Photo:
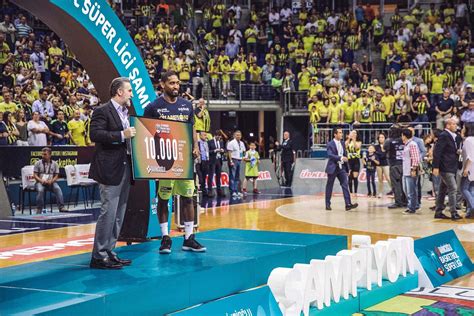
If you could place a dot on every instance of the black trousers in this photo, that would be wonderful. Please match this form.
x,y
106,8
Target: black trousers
x,y
287,172
202,170
396,179
214,169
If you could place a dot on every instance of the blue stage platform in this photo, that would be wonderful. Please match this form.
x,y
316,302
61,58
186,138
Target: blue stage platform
x,y
158,284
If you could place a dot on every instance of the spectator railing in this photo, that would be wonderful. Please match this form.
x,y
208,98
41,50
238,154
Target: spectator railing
x,y
295,101
367,132
240,91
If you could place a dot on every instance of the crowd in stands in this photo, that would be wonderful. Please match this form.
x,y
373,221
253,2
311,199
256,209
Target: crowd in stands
x,y
46,95
426,74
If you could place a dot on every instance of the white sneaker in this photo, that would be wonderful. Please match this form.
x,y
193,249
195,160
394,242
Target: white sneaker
x,y
234,194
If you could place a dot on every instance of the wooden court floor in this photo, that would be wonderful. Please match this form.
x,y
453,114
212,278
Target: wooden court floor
x,y
304,214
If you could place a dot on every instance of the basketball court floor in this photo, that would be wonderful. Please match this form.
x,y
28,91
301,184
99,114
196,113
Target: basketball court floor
x,y
32,238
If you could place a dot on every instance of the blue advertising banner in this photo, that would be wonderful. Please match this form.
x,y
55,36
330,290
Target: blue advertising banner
x,y
443,257
258,302
104,25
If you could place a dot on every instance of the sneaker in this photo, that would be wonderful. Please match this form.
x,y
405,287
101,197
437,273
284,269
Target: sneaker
x,y
191,244
244,191
165,245
408,212
235,195
256,191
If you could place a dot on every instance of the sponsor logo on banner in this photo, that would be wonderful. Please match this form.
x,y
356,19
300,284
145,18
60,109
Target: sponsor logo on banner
x,y
310,174
264,176
442,257
78,244
224,180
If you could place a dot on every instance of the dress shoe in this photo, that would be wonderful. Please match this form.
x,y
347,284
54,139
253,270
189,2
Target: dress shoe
x,y
105,263
441,216
328,208
392,206
351,206
124,262
455,216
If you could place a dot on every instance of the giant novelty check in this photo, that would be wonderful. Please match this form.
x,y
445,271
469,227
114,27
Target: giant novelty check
x,y
162,149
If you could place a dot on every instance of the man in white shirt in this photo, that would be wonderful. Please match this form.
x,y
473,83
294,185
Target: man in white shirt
x,y
236,34
37,131
421,58
237,10
332,19
285,14
236,151
467,180
274,18
403,82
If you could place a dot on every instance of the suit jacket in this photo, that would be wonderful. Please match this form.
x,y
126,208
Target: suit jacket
x,y
110,155
212,148
445,156
287,154
334,158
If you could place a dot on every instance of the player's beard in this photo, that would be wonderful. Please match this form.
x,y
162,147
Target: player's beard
x,y
172,94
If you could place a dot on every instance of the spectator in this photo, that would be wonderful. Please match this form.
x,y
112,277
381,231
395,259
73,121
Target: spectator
x,y
467,180
444,108
202,118
252,160
7,105
21,126
37,131
202,166
46,173
43,106
216,155
411,165
13,133
371,162
445,164
236,151
9,30
231,48
59,130
23,29
77,129
383,170
3,130
38,59
288,157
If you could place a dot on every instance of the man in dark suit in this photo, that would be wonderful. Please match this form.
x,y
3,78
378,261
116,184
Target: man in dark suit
x,y
287,157
445,164
216,152
111,168
337,168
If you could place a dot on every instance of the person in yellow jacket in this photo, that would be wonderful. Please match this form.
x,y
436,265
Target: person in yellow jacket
x,y
240,68
202,118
